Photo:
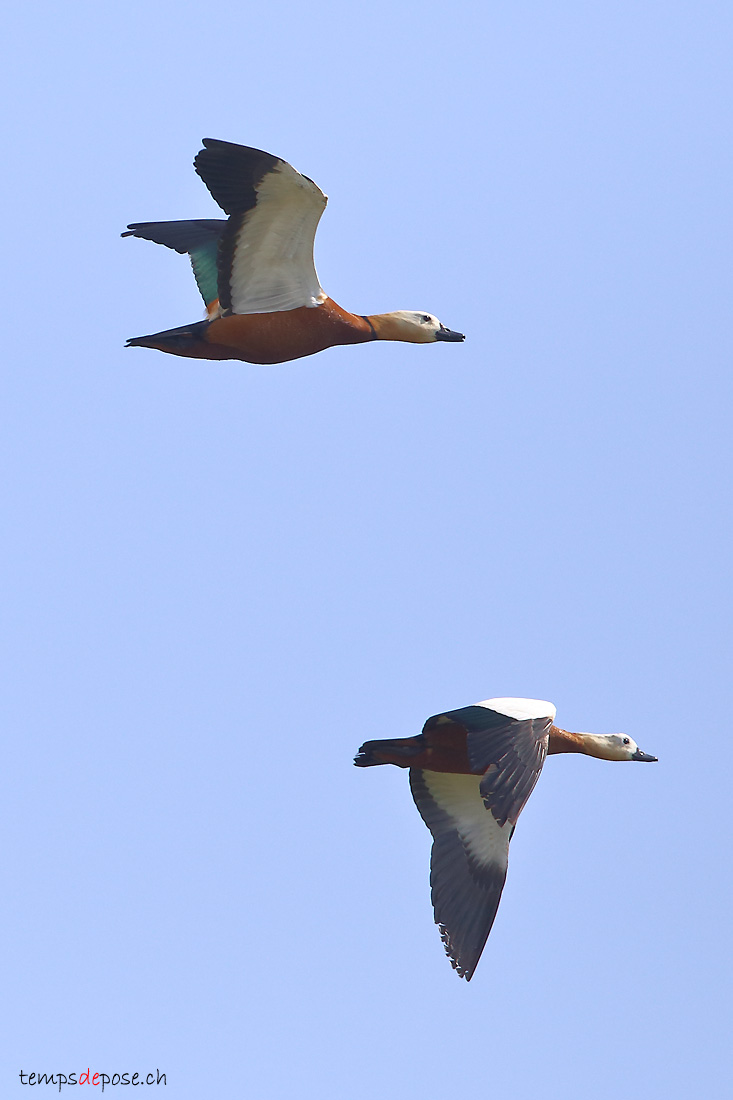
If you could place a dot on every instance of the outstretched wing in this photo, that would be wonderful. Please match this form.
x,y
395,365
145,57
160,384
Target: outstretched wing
x,y
468,862
266,252
200,239
472,817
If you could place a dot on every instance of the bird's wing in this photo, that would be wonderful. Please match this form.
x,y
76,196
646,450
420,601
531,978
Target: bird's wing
x,y
200,239
266,253
507,741
468,862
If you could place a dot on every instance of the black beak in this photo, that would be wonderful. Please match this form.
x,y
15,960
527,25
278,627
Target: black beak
x,y
639,755
448,334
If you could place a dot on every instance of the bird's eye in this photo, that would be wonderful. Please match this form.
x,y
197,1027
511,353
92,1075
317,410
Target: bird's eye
x,y
425,319
626,741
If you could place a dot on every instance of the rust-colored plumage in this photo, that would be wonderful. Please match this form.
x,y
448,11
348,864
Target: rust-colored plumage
x,y
256,273
264,337
278,337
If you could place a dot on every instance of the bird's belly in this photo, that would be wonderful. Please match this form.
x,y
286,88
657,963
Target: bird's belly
x,y
290,334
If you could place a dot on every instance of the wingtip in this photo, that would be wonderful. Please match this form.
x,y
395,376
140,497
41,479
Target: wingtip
x,y
463,962
211,143
462,971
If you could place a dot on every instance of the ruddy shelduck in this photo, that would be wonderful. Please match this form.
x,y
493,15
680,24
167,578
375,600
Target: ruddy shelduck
x,y
256,273
471,773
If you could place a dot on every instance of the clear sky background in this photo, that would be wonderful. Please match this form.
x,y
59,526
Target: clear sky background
x,y
222,578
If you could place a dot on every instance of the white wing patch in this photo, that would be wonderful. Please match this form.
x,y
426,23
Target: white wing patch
x,y
521,709
273,268
458,796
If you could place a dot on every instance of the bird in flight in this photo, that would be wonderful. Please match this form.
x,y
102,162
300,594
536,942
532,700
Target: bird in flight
x,y
471,773
255,270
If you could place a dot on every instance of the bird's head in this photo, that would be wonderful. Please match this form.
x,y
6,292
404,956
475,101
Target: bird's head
x,y
614,746
412,327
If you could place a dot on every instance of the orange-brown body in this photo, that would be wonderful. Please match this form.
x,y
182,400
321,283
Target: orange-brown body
x,y
291,334
267,337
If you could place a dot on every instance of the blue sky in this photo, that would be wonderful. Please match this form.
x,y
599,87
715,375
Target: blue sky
x,y
223,578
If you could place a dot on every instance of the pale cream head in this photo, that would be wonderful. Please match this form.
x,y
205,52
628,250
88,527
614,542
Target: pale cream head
x,y
613,746
412,327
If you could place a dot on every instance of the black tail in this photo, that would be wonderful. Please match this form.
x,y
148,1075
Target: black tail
x,y
398,751
180,341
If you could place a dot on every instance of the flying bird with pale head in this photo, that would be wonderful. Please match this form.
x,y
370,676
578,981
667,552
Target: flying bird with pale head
x,y
255,270
471,773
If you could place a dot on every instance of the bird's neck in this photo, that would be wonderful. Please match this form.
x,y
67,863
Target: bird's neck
x,y
587,743
390,326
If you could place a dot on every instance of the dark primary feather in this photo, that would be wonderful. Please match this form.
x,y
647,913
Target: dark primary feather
x,y
199,238
232,172
183,236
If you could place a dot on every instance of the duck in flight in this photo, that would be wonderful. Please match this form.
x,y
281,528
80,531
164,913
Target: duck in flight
x,y
471,773
256,273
